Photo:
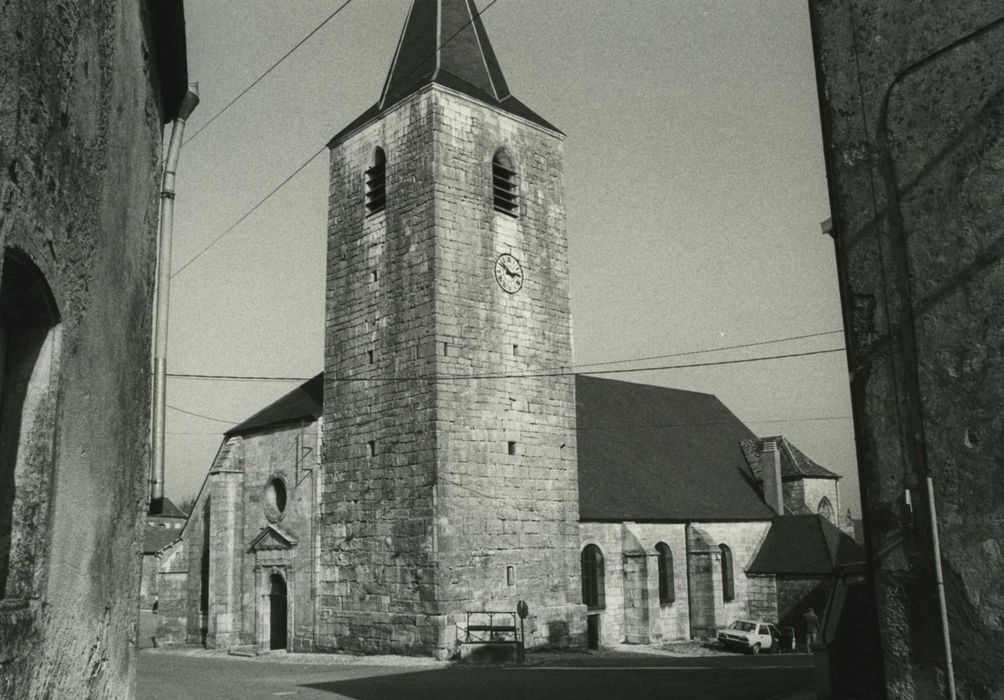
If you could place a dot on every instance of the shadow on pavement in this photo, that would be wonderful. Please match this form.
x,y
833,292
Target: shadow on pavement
x,y
583,683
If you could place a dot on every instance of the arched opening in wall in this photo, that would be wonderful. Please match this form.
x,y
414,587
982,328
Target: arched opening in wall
x,y
728,574
593,594
277,612
667,579
376,183
29,357
825,509
505,194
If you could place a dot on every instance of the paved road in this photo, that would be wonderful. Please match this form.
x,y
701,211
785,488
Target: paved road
x,y
174,676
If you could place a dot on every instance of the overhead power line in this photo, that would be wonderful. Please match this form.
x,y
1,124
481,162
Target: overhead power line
x,y
309,160
271,68
236,377
248,213
245,377
707,350
524,375
204,417
602,427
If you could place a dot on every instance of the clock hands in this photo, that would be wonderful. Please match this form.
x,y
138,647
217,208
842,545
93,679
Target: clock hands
x,y
514,275
508,273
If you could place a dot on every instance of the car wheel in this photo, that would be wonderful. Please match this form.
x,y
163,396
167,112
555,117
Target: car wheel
x,y
755,649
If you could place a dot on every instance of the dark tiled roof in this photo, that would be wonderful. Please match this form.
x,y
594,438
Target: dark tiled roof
x,y
302,402
805,546
794,463
652,453
169,510
156,538
444,42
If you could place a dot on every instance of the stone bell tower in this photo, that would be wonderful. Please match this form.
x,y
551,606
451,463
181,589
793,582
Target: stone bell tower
x,y
449,432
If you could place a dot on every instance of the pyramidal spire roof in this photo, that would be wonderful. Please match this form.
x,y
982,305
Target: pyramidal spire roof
x,y
444,42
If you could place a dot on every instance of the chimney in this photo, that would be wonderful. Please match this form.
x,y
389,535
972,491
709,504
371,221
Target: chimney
x,y
771,469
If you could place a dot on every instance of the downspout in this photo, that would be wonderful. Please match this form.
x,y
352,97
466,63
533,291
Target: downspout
x,y
162,296
315,523
942,606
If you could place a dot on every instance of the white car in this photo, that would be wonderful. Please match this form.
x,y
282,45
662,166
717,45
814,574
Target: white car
x,y
750,636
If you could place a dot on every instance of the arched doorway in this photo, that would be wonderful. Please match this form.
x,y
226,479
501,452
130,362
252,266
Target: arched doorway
x,y
277,612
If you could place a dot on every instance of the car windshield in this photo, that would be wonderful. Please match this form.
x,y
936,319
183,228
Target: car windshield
x,y
743,626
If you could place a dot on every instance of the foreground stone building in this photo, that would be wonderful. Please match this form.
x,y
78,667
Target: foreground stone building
x,y
912,103
85,89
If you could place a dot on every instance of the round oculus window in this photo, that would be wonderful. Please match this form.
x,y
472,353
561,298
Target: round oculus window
x,y
275,497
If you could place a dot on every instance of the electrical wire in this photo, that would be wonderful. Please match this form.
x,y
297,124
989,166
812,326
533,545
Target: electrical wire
x,y
707,350
527,375
271,68
248,213
309,160
238,377
586,428
199,415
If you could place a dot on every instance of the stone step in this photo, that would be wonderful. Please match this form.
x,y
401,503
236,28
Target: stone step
x,y
246,650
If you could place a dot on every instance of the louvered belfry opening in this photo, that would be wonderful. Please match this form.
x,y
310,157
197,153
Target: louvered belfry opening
x,y
504,184
376,183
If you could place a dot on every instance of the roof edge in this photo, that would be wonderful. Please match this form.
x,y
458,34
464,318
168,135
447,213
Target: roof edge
x,y
376,112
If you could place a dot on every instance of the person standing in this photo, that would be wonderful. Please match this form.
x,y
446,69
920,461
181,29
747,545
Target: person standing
x,y
811,629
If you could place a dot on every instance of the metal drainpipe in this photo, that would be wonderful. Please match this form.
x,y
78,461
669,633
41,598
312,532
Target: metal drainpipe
x,y
942,607
163,293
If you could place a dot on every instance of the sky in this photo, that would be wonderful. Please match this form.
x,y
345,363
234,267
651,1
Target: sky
x,y
694,183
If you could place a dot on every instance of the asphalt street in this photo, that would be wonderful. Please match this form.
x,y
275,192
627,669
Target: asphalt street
x,y
165,675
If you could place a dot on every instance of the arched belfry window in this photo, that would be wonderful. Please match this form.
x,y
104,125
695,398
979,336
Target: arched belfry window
x,y
29,355
825,508
728,575
593,594
667,579
376,183
504,190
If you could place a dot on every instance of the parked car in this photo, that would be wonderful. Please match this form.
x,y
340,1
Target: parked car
x,y
751,636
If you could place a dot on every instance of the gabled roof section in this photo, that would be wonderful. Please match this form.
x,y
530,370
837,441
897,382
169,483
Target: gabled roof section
x,y
445,42
649,453
271,538
794,464
303,402
808,546
169,510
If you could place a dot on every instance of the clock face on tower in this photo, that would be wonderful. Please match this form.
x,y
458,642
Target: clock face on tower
x,y
509,273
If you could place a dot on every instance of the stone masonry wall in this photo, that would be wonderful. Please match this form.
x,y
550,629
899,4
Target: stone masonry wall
x,y
665,623
815,490
172,581
287,453
754,597
378,583
424,506
912,105
80,133
507,480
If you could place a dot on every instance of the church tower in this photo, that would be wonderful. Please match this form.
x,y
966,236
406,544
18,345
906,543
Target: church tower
x,y
449,429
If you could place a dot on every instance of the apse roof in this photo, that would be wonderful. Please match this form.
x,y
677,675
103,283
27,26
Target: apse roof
x,y
658,454
805,546
444,42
